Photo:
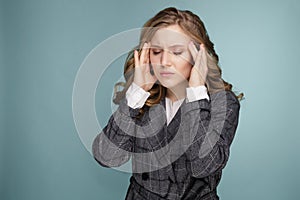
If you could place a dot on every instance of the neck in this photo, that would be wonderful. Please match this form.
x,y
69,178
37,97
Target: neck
x,y
177,92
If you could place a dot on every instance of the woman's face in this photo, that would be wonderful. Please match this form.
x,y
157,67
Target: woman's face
x,y
170,57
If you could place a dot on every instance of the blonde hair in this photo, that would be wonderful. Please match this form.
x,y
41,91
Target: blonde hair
x,y
192,25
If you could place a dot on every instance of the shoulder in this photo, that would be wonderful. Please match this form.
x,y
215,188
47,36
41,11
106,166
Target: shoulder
x,y
225,98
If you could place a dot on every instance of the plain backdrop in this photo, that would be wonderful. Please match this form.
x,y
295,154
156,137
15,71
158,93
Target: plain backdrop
x,y
43,44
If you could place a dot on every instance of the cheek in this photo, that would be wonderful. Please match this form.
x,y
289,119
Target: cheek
x,y
155,70
185,58
185,70
154,59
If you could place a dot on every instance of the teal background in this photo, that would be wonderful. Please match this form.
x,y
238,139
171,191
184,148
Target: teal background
x,y
43,43
2,115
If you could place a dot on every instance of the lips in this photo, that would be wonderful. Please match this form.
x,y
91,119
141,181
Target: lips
x,y
166,73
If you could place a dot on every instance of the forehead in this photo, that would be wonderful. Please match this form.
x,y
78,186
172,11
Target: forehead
x,y
169,36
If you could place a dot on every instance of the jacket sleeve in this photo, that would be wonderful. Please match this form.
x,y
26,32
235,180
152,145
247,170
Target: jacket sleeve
x,y
113,146
211,128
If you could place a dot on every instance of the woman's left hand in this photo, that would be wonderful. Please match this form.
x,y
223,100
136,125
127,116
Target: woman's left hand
x,y
199,71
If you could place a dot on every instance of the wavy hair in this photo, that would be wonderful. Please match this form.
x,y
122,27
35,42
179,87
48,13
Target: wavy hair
x,y
192,26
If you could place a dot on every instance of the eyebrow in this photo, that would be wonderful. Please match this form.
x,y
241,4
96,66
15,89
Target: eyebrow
x,y
172,46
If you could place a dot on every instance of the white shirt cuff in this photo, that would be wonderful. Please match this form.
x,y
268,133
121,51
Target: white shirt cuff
x,y
136,96
196,93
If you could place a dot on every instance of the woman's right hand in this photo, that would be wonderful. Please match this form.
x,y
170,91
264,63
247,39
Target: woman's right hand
x,y
142,74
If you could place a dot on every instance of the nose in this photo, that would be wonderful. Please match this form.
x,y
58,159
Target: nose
x,y
166,58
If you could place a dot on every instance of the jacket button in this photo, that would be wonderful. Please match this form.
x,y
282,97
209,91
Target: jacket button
x,y
145,176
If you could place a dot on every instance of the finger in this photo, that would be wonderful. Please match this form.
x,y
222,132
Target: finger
x,y
142,57
202,62
204,54
198,59
136,58
147,55
147,59
193,50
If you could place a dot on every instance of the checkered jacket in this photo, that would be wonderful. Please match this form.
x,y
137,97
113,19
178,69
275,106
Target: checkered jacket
x,y
181,160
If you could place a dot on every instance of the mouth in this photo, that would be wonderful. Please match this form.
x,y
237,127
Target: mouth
x,y
166,74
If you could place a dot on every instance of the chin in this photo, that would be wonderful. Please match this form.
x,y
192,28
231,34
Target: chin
x,y
172,83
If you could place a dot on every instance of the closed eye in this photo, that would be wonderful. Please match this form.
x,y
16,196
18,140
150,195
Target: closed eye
x,y
177,53
156,52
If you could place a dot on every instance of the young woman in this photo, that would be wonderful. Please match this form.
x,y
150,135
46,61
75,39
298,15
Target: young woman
x,y
176,117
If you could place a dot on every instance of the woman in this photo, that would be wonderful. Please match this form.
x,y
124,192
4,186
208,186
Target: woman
x,y
176,117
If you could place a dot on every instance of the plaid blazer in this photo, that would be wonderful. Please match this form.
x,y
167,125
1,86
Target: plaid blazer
x,y
181,160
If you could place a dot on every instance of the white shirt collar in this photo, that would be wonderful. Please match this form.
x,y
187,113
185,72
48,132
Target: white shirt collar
x,y
172,108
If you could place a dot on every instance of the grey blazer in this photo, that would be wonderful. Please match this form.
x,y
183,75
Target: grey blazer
x,y
181,160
